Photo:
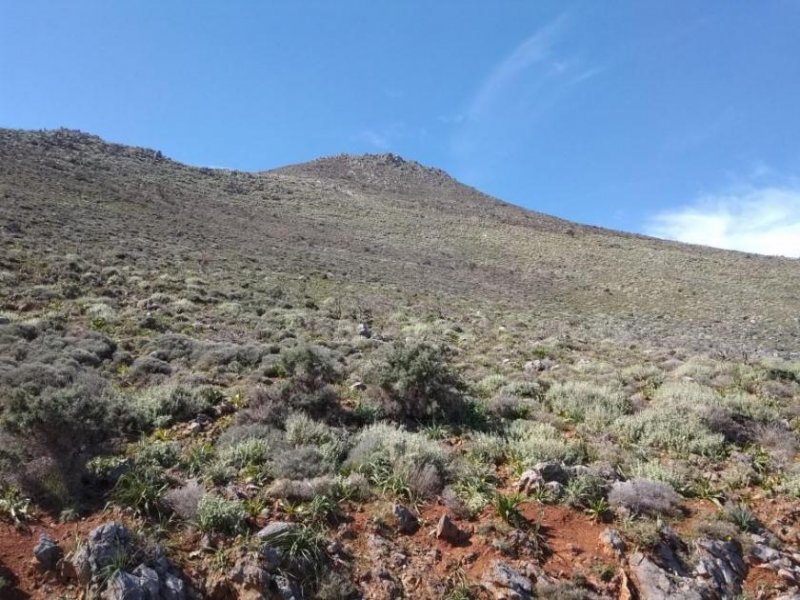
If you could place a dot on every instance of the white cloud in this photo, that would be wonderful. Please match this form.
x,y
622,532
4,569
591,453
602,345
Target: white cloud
x,y
508,104
761,220
531,51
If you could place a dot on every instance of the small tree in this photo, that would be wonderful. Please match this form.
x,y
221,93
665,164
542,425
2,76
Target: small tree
x,y
417,383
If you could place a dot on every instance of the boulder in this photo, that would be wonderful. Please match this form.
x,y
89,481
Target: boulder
x,y
104,546
612,542
504,582
275,529
448,531
407,522
148,581
124,586
47,552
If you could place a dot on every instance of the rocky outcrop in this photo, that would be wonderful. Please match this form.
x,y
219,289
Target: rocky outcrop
x,y
112,548
504,582
718,572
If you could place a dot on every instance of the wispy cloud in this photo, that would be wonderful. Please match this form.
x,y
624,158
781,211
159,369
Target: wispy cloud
x,y
533,50
762,220
513,97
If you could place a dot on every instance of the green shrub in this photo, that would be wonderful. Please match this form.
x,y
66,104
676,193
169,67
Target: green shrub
x,y
579,401
164,405
418,384
675,421
141,489
302,548
398,461
311,366
87,411
531,442
215,513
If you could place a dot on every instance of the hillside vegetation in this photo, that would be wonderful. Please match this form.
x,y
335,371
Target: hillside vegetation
x,y
357,377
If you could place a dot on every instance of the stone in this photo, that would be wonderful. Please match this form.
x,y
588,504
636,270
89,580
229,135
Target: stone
x,y
248,574
104,545
358,386
504,582
448,531
407,522
655,583
552,471
124,586
529,480
287,589
612,542
276,528
47,552
148,581
173,588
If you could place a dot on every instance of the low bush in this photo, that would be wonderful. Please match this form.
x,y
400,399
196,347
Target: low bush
x,y
581,402
644,497
675,421
418,384
530,442
398,461
184,501
215,513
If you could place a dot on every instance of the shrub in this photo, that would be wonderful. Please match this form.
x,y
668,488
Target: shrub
x,y
395,459
531,442
141,489
418,384
302,548
14,506
184,501
161,454
741,516
585,491
302,430
87,411
644,497
215,513
253,454
299,463
163,405
508,406
675,421
305,490
473,488
585,402
486,448
673,474
490,384
311,366
507,507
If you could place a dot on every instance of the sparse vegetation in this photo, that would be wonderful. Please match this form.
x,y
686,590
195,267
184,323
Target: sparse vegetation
x,y
256,369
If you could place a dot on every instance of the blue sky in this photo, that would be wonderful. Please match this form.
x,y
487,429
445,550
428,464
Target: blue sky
x,y
675,118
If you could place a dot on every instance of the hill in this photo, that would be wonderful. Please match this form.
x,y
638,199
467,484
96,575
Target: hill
x,y
379,220
358,378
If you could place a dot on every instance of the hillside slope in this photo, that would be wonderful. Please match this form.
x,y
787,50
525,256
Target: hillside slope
x,y
381,220
357,378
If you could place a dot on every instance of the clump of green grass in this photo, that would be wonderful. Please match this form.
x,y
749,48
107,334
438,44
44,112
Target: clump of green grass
x,y
14,506
399,461
532,442
215,513
675,421
595,405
